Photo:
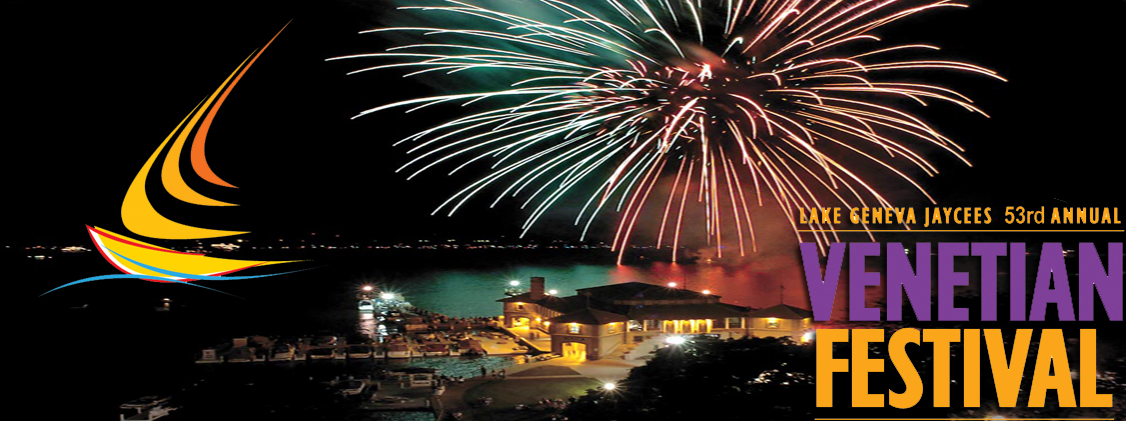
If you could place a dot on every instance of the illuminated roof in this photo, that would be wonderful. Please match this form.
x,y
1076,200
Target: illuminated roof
x,y
633,301
687,311
782,311
590,316
560,304
643,291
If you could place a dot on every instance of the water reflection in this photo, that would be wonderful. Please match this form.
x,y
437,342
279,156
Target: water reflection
x,y
471,293
403,416
369,326
468,367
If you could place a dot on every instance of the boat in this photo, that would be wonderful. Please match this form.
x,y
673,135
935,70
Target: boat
x,y
281,352
475,353
352,387
435,350
367,306
398,350
396,403
414,376
241,355
325,340
320,353
471,348
359,352
209,356
147,408
389,399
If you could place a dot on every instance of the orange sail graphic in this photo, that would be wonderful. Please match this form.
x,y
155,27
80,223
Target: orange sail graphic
x,y
137,211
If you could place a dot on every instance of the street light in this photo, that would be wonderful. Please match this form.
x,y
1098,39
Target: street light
x,y
387,296
674,340
706,292
609,386
672,284
514,283
552,292
367,288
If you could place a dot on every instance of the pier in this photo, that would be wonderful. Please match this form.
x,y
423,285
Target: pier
x,y
394,362
390,329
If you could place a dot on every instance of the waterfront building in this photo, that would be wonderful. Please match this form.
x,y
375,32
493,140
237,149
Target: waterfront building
x,y
782,320
597,321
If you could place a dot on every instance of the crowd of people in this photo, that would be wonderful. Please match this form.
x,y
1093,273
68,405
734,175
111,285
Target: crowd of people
x,y
496,374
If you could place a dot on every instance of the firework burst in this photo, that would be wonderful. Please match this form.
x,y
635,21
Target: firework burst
x,y
729,101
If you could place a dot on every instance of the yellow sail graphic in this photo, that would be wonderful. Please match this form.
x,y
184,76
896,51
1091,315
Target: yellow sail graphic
x,y
137,211
141,218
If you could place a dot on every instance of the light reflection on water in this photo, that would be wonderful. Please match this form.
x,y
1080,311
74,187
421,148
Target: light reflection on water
x,y
457,366
759,281
368,325
471,293
402,416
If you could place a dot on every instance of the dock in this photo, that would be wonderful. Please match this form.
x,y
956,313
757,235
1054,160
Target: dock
x,y
403,333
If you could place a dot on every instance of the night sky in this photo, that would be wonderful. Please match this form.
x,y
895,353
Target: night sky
x,y
93,87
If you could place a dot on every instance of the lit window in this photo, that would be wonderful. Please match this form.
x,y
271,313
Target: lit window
x,y
612,328
573,328
734,322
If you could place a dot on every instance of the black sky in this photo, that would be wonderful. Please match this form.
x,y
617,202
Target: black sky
x,y
93,87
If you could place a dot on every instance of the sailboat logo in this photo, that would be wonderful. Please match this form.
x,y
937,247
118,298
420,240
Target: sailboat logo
x,y
140,260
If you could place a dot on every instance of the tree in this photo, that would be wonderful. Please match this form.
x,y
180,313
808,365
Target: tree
x,y
760,378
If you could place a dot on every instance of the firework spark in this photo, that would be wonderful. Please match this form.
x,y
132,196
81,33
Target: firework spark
x,y
732,100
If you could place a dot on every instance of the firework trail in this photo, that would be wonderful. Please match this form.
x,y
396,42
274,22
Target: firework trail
x,y
733,100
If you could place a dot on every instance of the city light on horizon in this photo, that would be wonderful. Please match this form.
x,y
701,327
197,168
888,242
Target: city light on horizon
x,y
479,155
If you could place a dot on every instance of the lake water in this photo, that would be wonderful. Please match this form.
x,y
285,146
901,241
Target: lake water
x,y
462,293
107,339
